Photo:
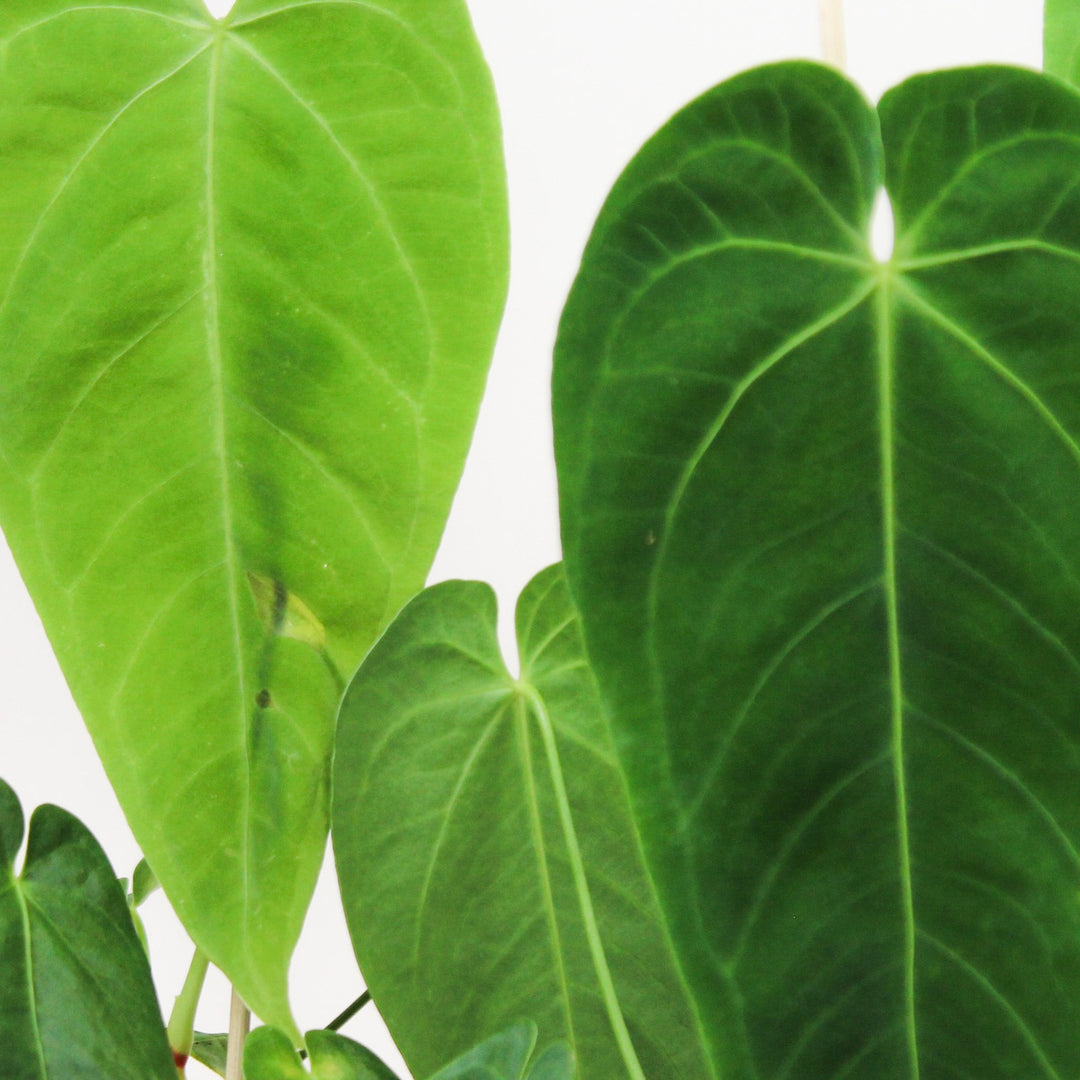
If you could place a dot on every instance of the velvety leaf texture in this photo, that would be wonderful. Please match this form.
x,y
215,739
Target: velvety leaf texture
x,y
821,517
488,864
250,277
76,997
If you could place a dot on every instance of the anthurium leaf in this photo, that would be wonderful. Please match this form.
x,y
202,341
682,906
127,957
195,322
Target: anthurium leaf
x,y
250,275
822,520
269,1055
488,864
76,997
506,1056
1061,39
212,1050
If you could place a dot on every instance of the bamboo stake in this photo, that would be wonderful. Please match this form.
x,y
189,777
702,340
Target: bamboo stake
x,y
239,1025
832,33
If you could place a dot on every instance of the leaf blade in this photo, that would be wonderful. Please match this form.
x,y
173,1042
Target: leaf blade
x,y
506,796
783,653
263,342
77,998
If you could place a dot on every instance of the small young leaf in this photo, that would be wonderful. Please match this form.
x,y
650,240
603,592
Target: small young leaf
x,y
270,1055
211,1050
76,997
143,883
488,864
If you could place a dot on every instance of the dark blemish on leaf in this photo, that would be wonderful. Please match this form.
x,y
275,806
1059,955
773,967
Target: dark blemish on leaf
x,y
262,699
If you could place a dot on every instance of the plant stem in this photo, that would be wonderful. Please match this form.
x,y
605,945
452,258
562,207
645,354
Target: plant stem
x,y
349,1012
239,1025
832,33
181,1028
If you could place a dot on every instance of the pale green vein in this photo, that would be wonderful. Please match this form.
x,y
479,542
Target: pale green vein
x,y
762,368
889,527
911,232
999,999
791,842
581,885
31,993
978,349
945,258
1052,639
540,848
73,171
801,634
95,381
354,166
1003,772
30,27
444,828
323,468
220,441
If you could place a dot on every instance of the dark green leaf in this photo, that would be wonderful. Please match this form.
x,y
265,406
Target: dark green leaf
x,y
488,864
250,276
76,998
822,519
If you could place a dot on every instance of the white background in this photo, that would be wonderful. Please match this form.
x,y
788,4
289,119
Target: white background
x,y
581,83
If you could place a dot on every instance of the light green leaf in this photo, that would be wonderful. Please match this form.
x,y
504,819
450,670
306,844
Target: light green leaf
x,y
76,997
822,520
250,276
1061,39
488,865
269,1055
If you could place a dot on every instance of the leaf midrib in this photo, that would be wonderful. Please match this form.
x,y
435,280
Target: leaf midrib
x,y
884,330
220,437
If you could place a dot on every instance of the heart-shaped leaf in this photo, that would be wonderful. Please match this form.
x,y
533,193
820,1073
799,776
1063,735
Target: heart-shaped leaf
x,y
250,276
76,997
822,519
488,864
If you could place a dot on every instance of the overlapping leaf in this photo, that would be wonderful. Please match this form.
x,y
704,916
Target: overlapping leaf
x,y
822,519
250,274
508,1055
488,864
76,998
1061,39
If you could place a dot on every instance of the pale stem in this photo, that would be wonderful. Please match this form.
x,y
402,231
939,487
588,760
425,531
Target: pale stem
x,y
182,1022
239,1025
832,33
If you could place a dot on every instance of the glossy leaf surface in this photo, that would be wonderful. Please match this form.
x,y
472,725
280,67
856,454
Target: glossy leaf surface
x,y
488,865
269,1055
250,275
76,997
822,519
